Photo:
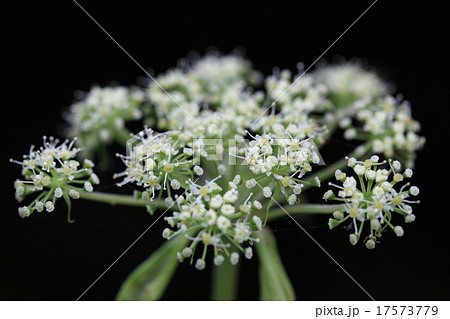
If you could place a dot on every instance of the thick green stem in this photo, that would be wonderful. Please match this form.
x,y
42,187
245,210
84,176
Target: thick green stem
x,y
225,281
119,199
303,209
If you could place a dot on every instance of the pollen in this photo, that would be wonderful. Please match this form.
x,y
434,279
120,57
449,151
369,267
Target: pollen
x,y
67,170
353,212
378,205
168,168
368,163
397,200
203,191
207,239
286,181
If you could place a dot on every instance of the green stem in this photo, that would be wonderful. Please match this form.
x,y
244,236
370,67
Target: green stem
x,y
225,281
119,199
304,209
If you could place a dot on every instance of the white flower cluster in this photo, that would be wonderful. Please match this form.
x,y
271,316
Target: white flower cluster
x,y
388,123
211,82
52,172
280,163
375,200
157,162
348,82
100,116
221,221
301,94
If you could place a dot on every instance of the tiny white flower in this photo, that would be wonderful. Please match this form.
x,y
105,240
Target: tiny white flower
x,y
187,252
166,233
227,209
257,204
414,190
344,122
58,192
216,201
396,165
339,175
250,183
410,218
237,179
375,224
257,221
95,179
338,215
175,184
327,194
408,172
292,199
297,189
218,260
88,187
317,181
374,158
370,174
24,211
200,264
399,231
378,191
39,206
353,239
248,253
74,194
234,258
169,202
359,169
230,196
188,151
382,175
88,163
386,186
210,217
351,161
223,223
370,244
332,223
198,170
267,192
350,133
49,207
221,169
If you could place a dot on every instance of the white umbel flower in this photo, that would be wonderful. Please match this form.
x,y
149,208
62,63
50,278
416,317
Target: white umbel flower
x,y
376,196
53,172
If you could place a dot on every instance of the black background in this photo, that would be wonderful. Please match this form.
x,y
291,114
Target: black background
x,y
54,49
